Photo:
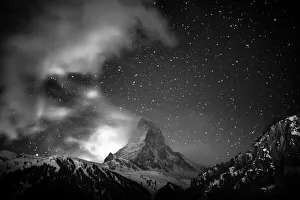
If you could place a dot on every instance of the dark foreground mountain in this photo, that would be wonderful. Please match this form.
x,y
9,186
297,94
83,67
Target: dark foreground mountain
x,y
170,191
270,171
150,152
60,177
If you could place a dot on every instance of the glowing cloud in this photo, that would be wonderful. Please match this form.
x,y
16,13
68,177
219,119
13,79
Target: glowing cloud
x,y
92,94
51,112
101,142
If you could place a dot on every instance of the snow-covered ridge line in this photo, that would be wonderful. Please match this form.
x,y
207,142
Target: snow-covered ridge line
x,y
273,155
10,162
20,173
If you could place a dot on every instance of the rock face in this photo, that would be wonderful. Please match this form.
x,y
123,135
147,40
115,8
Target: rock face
x,y
149,152
270,171
154,135
61,177
110,157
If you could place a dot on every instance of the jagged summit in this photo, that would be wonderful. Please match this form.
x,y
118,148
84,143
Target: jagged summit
x,y
146,123
109,157
150,152
154,135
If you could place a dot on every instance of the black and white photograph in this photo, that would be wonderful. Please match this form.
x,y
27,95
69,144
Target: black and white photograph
x,y
149,99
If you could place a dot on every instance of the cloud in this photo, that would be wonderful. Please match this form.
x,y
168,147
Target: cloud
x,y
69,37
106,134
80,38
92,94
100,143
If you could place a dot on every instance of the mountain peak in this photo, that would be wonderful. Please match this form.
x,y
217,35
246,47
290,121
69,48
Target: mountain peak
x,y
109,157
145,123
150,152
154,135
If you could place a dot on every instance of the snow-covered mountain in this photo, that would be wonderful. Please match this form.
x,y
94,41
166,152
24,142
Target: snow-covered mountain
x,y
270,171
61,177
137,171
150,152
150,162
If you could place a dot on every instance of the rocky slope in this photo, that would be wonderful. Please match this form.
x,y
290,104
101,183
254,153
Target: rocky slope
x,y
150,152
61,177
270,171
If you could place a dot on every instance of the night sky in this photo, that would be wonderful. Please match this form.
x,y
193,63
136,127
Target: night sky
x,y
234,68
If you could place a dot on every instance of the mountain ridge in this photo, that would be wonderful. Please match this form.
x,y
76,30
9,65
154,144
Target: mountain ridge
x,y
25,176
271,170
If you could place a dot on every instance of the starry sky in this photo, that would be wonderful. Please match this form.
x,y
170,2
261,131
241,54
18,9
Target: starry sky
x,y
234,68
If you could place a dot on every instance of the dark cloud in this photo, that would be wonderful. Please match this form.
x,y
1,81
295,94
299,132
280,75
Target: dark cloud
x,y
63,37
